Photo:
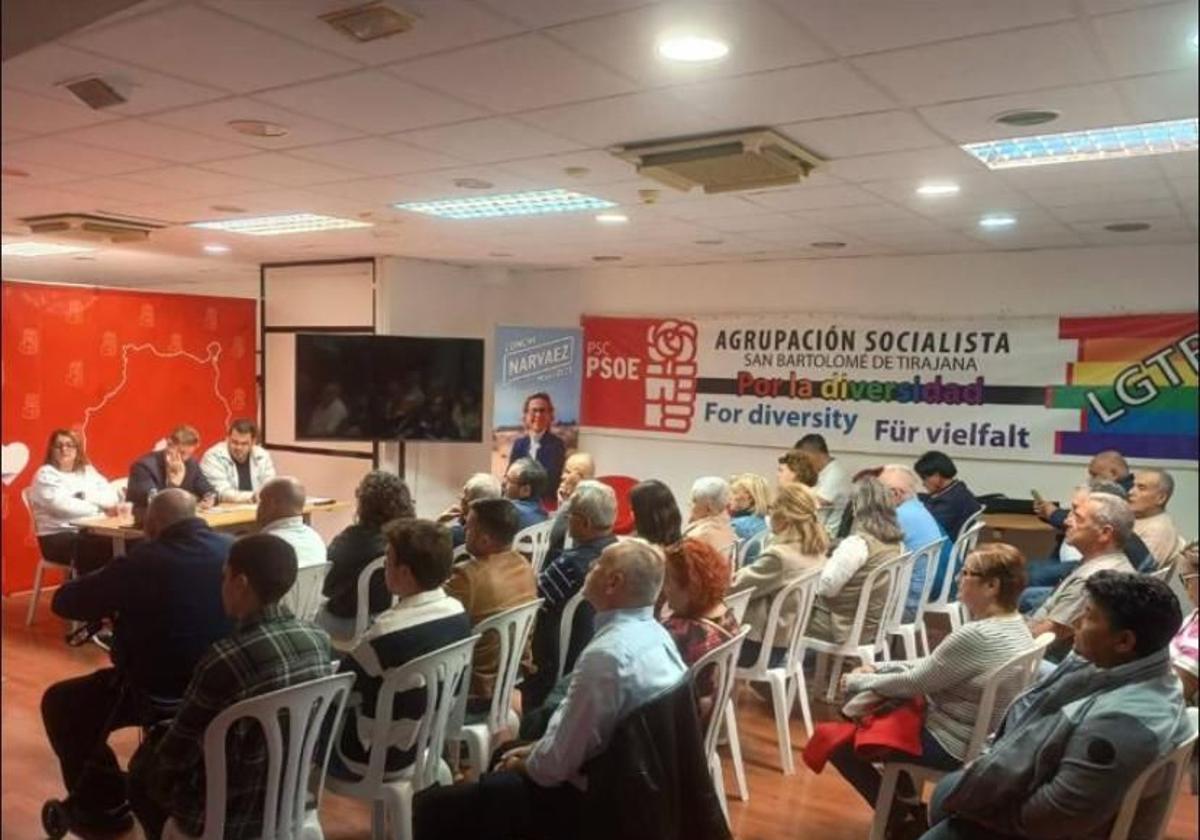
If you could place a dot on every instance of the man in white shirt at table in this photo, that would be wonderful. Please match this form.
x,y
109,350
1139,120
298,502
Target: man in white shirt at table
x,y
281,512
833,482
238,467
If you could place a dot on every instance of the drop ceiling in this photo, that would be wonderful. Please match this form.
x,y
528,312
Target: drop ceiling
x,y
515,92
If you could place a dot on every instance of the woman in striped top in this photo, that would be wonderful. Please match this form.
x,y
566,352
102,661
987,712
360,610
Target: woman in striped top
x,y
952,679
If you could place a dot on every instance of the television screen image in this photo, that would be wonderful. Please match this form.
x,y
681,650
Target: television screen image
x,y
384,387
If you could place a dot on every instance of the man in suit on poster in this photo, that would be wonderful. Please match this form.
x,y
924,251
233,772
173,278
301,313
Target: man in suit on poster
x,y
540,443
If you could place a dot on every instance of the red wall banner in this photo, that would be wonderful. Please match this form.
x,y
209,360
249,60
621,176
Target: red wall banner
x,y
120,367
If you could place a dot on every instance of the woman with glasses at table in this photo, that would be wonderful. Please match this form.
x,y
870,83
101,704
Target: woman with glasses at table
x,y
951,679
1184,645
65,488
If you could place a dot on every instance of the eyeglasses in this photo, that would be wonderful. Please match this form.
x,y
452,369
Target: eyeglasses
x,y
66,444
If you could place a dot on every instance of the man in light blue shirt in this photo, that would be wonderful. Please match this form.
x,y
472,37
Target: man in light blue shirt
x,y
917,523
537,791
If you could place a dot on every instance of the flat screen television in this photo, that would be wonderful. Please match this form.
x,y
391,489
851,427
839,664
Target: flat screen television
x,y
388,387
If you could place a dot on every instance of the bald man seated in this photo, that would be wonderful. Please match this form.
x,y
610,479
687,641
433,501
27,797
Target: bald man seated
x,y
579,467
164,600
281,512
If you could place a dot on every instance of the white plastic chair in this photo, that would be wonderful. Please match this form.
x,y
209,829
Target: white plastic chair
x,y
534,543
722,661
444,675
513,628
854,647
910,632
304,598
970,522
893,610
461,554
362,606
42,565
1164,574
747,545
1021,670
736,603
786,681
285,815
1166,773
565,625
941,603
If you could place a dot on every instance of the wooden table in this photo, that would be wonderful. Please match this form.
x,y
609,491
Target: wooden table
x,y
221,517
1034,537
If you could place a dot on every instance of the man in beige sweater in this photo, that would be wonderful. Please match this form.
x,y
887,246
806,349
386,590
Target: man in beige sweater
x,y
1148,499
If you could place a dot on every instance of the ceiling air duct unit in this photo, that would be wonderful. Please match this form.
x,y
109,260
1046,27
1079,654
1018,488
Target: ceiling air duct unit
x,y
744,160
92,227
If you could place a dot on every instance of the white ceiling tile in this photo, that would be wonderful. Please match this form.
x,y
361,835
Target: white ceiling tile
x,y
1101,193
853,216
439,25
1149,40
364,191
11,135
1190,213
1103,7
1185,188
37,174
1161,231
377,156
487,141
39,202
282,169
1080,107
602,168
1050,56
371,101
1025,240
212,119
1118,211
191,180
1163,96
867,134
784,96
76,156
38,115
123,191
439,185
44,69
1081,173
632,118
514,74
1180,164
872,25
539,13
980,193
936,163
140,137
758,35
757,222
716,207
201,45
634,192
809,198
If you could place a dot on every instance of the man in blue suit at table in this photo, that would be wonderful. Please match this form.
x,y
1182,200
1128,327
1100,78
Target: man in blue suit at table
x,y
540,443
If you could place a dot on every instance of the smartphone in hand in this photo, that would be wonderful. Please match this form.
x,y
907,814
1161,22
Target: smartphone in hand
x,y
1037,497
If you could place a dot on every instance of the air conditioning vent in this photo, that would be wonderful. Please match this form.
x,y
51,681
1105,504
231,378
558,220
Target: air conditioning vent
x,y
746,160
94,92
92,227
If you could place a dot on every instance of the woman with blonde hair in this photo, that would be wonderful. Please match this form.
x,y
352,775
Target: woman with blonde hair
x,y
796,545
749,500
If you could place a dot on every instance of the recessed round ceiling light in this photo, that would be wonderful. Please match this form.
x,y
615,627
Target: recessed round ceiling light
x,y
827,244
999,220
1127,227
473,184
606,258
258,128
216,249
576,171
938,189
692,48
84,259
499,254
227,208
1026,116
13,172
612,218
710,242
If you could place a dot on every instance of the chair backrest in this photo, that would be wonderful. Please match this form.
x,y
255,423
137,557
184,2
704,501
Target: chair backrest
x,y
461,554
802,591
534,542
1018,672
1167,773
565,626
27,500
283,807
304,597
754,543
970,522
927,557
444,677
362,608
893,610
888,572
723,660
737,603
513,628
1164,574
967,538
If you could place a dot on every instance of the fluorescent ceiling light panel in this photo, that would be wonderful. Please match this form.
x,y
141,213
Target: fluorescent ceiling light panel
x,y
534,203
279,225
40,249
1122,141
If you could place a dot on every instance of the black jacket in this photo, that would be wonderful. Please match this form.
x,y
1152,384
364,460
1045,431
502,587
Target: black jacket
x,y
652,782
166,601
150,473
350,552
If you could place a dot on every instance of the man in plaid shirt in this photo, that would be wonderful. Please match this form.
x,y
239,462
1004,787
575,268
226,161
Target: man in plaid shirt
x,y
269,650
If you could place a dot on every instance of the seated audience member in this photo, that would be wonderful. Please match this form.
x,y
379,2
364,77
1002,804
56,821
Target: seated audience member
x,y
382,497
579,467
797,466
948,498
749,500
64,488
523,485
1070,747
951,680
419,558
537,790
708,520
656,516
919,527
797,544
164,599
269,649
479,486
238,467
1184,645
1098,527
172,466
592,510
848,519
1107,466
833,483
876,538
495,579
1148,500
281,512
